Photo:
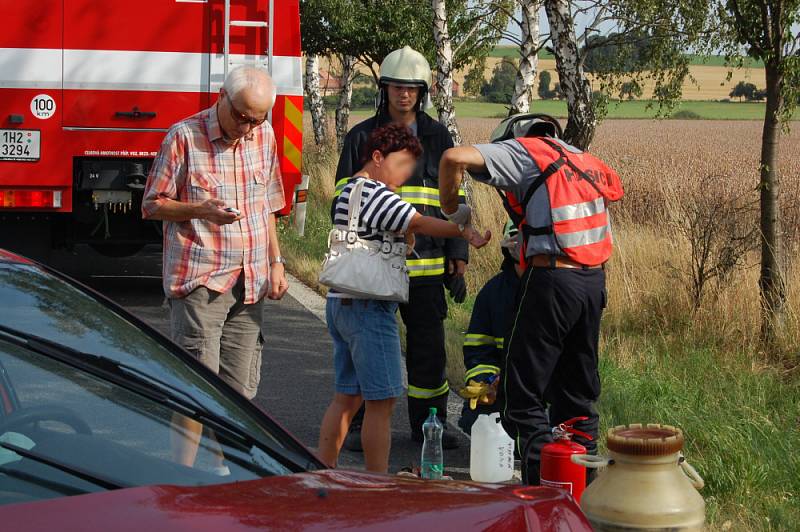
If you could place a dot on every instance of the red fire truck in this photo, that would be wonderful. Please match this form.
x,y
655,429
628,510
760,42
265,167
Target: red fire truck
x,y
88,88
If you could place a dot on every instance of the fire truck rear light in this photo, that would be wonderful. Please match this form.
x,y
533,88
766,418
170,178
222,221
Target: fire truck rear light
x,y
24,199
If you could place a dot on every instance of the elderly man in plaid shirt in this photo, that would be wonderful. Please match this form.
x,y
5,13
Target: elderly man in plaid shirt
x,y
216,184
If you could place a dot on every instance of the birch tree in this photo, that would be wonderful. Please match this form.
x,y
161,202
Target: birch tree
x,y
529,56
315,103
581,119
345,98
443,85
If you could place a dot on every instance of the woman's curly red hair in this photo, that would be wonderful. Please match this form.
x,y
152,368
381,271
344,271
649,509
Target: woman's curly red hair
x,y
391,138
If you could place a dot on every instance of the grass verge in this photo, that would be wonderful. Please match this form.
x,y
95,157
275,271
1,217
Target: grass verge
x,y
635,109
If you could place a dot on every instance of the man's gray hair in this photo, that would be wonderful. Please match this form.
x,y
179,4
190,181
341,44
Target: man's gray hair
x,y
245,76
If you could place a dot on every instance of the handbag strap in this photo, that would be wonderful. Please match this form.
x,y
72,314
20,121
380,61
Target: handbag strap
x,y
354,206
354,211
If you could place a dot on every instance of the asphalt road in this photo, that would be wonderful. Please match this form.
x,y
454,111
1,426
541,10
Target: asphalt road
x,y
297,370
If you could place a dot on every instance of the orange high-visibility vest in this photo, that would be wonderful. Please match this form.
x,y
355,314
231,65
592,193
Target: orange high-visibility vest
x,y
579,187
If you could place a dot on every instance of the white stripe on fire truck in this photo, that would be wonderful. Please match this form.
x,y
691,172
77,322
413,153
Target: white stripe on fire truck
x,y
30,68
132,70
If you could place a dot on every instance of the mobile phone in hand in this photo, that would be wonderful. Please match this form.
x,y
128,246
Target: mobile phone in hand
x,y
232,210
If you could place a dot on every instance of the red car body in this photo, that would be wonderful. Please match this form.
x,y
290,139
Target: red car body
x,y
323,500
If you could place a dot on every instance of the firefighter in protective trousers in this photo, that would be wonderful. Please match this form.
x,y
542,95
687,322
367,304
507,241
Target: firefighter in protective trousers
x,y
405,79
558,196
485,337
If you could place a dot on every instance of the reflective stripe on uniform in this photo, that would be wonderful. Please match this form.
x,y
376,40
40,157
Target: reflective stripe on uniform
x,y
474,340
425,267
583,238
427,393
340,186
413,195
578,210
422,195
480,369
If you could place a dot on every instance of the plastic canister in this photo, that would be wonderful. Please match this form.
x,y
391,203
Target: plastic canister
x,y
491,453
647,483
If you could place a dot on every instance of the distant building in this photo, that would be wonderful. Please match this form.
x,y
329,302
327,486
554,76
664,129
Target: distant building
x,y
329,83
456,89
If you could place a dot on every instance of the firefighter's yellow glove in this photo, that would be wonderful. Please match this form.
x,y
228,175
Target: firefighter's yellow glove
x,y
478,393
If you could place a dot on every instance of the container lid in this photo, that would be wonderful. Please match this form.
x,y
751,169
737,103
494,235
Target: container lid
x,y
645,440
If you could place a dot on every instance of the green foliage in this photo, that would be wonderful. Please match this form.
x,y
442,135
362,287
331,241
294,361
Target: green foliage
x,y
650,42
765,32
371,29
615,52
362,98
709,59
500,88
742,90
512,51
685,114
543,90
630,90
474,80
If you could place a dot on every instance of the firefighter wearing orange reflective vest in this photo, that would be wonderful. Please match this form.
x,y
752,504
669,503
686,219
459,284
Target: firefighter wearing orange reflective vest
x,y
484,339
405,79
558,196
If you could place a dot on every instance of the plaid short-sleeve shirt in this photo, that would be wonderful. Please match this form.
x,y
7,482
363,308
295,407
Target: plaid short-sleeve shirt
x,y
195,164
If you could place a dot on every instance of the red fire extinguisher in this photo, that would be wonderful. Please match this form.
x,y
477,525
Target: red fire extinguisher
x,y
556,468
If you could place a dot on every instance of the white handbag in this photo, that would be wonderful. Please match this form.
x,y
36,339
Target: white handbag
x,y
364,268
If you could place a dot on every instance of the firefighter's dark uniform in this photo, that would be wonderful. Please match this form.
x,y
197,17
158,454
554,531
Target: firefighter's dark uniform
x,y
427,308
551,348
484,339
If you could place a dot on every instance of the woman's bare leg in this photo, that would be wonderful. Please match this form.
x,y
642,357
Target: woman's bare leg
x,y
376,434
334,426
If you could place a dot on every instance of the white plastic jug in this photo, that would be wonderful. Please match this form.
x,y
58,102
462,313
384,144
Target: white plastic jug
x,y
491,453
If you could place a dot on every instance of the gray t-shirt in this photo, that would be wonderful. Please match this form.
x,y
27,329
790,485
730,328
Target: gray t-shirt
x,y
511,168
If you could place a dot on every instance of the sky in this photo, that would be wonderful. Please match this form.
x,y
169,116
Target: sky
x,y
581,21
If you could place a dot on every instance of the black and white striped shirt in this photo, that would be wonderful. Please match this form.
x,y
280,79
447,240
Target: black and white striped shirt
x,y
381,210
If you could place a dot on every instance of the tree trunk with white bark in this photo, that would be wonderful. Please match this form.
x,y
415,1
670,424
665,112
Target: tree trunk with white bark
x,y
581,120
529,57
345,97
444,70
315,103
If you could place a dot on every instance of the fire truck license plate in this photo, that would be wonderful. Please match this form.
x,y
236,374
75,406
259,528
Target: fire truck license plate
x,y
19,144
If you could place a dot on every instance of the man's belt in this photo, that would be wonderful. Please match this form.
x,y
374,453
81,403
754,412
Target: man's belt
x,y
558,261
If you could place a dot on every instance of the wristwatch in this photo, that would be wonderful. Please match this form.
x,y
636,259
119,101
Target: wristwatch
x,y
277,260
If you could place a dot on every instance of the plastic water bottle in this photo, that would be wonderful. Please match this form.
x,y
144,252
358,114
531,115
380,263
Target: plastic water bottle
x,y
432,455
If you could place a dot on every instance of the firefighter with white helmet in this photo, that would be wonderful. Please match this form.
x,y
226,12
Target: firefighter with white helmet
x,y
404,85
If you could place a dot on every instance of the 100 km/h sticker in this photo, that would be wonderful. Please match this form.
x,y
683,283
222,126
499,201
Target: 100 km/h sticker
x,y
43,106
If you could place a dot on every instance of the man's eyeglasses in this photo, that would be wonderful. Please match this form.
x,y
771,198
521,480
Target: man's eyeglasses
x,y
242,118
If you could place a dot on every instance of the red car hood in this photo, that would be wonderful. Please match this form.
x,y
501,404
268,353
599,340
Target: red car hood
x,y
323,500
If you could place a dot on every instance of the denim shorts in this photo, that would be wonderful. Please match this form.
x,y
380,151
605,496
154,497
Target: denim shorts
x,y
366,347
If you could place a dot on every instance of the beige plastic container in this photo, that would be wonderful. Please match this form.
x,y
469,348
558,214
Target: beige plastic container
x,y
646,484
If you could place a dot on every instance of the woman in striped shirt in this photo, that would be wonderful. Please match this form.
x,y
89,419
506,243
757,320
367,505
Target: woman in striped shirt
x,y
366,341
